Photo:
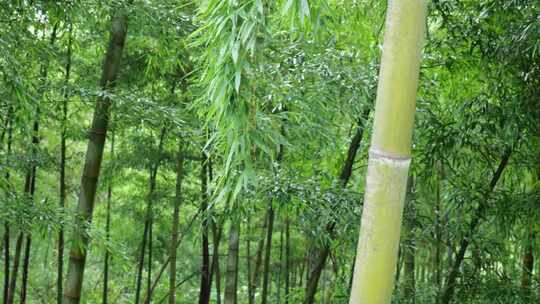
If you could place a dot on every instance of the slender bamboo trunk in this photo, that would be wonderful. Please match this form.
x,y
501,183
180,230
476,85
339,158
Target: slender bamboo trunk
x,y
176,218
140,264
148,223
390,152
92,166
231,280
345,175
216,269
527,264
448,291
258,261
63,189
399,264
303,266
287,258
26,264
438,230
316,271
19,246
281,266
149,267
204,289
6,263
248,259
15,269
31,192
145,238
108,229
168,260
35,143
9,126
267,254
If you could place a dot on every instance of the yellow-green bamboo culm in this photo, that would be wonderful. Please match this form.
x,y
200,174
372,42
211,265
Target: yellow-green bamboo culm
x,y
390,153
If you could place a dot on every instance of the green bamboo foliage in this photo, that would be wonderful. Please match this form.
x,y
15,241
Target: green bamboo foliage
x,y
390,153
231,34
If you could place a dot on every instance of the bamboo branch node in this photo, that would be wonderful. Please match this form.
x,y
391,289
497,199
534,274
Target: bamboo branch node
x,y
379,154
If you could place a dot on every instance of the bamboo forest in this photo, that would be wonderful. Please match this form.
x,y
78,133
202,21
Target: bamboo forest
x,y
269,151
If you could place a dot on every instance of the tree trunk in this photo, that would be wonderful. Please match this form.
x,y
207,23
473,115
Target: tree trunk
x,y
344,177
176,218
287,259
204,289
303,266
63,190
231,280
15,270
31,192
438,230
216,271
26,265
9,126
527,265
346,171
315,274
449,288
150,252
217,230
148,223
35,143
258,261
140,264
390,151
248,260
108,229
267,254
168,260
281,266
18,247
92,166
6,264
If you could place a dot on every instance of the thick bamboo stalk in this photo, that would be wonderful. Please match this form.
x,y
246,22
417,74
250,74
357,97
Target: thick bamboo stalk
x,y
390,153
92,165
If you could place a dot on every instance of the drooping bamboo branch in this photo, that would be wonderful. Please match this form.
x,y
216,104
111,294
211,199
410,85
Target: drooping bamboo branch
x,y
390,153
